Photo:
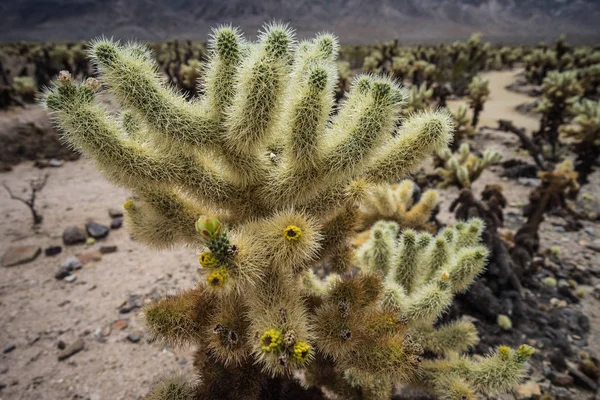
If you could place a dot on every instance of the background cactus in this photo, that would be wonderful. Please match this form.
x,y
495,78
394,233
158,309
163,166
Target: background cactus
x,y
401,203
559,91
478,92
464,167
585,130
261,181
462,126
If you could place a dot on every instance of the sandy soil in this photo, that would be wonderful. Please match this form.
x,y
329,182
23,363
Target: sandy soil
x,y
37,311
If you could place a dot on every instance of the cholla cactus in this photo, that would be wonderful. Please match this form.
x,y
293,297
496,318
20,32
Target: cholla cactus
x,y
203,173
418,100
463,167
189,75
539,63
24,87
421,273
345,79
555,188
585,130
397,203
462,125
559,91
478,92
401,66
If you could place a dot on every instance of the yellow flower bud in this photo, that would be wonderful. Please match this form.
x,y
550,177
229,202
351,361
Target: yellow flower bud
x,y
208,226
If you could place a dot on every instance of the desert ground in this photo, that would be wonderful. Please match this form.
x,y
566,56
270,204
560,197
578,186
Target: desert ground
x,y
99,311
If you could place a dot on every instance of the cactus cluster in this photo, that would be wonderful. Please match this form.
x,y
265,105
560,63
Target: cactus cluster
x,y
585,131
559,91
266,185
401,203
464,167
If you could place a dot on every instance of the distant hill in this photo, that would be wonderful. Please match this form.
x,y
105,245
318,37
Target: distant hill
x,y
352,20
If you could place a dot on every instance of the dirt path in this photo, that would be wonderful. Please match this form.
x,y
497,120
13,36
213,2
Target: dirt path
x,y
501,103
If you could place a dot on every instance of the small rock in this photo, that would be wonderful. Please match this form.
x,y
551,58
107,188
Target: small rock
x,y
61,345
72,349
54,162
70,278
106,331
90,241
72,263
73,235
90,256
120,324
52,250
108,249
594,247
96,230
69,265
528,390
130,304
590,231
561,379
135,336
20,255
115,212
559,229
8,348
561,393
116,223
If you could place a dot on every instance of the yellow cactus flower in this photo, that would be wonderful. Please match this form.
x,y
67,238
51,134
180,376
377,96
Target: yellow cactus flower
x,y
218,278
271,340
208,260
292,232
129,204
301,351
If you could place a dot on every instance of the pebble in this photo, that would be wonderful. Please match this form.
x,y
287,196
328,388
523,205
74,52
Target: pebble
x,y
559,229
120,324
96,230
8,348
73,235
61,345
135,336
71,350
590,231
115,212
54,162
90,256
20,255
561,393
130,304
561,379
116,223
69,265
108,249
52,250
70,278
106,331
